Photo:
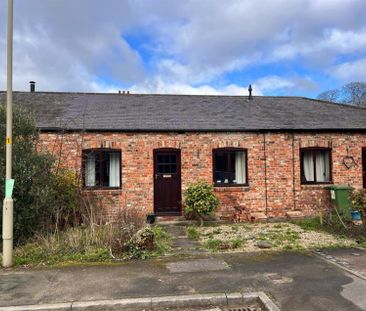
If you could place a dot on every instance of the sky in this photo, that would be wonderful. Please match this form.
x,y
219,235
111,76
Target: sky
x,y
215,47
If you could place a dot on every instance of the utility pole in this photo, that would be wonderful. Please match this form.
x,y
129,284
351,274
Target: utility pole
x,y
8,201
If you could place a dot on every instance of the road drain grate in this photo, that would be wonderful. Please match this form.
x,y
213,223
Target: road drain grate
x,y
248,308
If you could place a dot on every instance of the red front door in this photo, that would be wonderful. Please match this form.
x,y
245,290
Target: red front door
x,y
167,182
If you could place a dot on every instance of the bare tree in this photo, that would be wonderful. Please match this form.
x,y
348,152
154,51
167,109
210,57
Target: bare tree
x,y
353,93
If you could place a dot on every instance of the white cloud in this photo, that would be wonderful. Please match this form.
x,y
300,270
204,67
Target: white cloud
x,y
68,45
80,45
351,71
160,87
216,38
261,86
270,83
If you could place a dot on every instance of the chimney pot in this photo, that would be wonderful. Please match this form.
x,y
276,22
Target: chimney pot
x,y
32,86
250,89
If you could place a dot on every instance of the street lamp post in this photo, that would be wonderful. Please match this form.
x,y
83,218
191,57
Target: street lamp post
x,y
8,201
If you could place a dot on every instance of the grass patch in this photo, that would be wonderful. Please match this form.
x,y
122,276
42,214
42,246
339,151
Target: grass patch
x,y
309,224
237,242
213,244
235,228
362,241
86,245
247,227
353,232
34,254
162,240
286,239
192,233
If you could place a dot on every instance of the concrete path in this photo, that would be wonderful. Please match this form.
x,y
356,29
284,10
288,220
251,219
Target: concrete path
x,y
295,281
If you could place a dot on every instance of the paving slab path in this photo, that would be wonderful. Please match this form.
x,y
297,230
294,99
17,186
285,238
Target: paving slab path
x,y
181,243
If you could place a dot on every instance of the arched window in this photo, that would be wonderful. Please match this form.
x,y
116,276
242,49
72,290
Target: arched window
x,y
230,167
102,168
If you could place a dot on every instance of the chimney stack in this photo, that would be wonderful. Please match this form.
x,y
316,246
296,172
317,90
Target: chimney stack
x,y
32,86
250,91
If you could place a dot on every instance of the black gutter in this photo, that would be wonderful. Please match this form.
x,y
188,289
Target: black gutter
x,y
345,130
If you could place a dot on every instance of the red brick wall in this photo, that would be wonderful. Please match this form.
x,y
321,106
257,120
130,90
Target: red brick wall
x,y
278,152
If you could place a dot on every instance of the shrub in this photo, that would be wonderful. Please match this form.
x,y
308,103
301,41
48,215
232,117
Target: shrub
x,y
45,197
200,200
358,198
32,171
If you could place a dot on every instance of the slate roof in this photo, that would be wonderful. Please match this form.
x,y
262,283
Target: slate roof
x,y
136,112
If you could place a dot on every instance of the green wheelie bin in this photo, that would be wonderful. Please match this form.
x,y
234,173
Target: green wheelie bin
x,y
340,198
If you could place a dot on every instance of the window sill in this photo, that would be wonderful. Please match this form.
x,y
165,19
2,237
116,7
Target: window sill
x,y
103,190
232,188
316,185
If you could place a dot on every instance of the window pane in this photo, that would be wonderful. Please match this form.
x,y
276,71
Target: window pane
x,y
322,166
114,169
160,158
308,166
221,167
97,170
173,158
90,170
240,168
104,169
161,168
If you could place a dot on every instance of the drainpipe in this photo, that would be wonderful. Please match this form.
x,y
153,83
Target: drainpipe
x,y
293,172
265,172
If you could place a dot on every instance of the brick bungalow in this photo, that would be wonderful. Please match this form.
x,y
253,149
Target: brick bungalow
x,y
266,156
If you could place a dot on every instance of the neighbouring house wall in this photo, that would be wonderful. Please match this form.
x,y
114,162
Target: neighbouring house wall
x,y
273,167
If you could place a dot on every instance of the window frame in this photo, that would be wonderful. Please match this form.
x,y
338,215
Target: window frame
x,y
100,151
302,175
230,150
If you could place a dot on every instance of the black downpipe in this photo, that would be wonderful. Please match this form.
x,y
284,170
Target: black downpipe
x,y
293,171
265,171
